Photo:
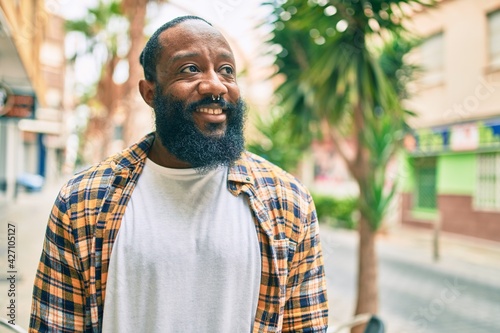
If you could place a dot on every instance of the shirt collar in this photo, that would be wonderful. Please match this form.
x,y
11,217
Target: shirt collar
x,y
239,172
135,154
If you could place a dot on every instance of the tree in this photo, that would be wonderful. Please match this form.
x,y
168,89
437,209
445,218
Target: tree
x,y
104,29
332,56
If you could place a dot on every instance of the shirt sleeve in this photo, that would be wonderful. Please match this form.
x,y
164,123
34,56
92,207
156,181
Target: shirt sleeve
x,y
58,293
306,308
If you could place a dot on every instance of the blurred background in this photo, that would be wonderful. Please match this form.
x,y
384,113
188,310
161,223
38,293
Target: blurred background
x,y
389,112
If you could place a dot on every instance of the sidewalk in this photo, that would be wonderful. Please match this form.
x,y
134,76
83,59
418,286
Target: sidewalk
x,y
29,213
470,249
464,256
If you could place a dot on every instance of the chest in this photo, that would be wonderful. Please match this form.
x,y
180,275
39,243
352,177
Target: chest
x,y
188,221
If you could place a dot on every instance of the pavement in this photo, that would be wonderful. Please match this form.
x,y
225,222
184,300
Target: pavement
x,y
29,214
458,293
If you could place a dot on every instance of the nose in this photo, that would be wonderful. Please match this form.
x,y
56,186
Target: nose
x,y
211,85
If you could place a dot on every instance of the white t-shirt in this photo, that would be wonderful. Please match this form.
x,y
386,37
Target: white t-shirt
x,y
186,258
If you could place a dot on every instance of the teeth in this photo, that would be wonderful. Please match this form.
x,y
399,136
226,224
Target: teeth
x,y
210,111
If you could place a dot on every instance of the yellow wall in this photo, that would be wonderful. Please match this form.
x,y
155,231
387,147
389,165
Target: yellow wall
x,y
27,20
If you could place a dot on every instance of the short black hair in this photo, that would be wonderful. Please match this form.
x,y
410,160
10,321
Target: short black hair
x,y
151,52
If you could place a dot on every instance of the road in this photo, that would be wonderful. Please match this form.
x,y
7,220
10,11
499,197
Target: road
x,y
457,294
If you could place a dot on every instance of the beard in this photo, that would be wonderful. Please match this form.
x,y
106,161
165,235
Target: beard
x,y
182,138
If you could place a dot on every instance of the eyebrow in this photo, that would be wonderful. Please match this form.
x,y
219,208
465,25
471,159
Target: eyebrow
x,y
227,56
184,55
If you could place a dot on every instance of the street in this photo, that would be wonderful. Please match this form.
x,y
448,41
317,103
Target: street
x,y
457,294
460,293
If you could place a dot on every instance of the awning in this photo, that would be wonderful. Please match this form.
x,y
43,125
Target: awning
x,y
41,126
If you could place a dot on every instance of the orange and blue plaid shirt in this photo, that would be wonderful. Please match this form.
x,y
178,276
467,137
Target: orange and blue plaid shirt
x,y
70,284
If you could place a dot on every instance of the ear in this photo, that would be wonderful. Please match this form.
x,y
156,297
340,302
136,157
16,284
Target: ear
x,y
147,90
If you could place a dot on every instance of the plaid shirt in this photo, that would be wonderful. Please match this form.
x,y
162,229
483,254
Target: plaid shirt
x,y
70,284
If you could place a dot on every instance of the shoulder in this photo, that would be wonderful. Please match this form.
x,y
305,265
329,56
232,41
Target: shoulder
x,y
262,169
287,202
94,180
276,180
89,180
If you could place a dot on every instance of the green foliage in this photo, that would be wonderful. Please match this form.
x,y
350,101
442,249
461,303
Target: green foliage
x,y
96,19
391,60
278,143
104,27
338,213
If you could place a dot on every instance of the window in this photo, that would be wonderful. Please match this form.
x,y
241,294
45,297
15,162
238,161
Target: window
x,y
425,174
432,53
487,194
494,38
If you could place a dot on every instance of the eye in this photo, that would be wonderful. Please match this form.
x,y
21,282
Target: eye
x,y
190,69
228,70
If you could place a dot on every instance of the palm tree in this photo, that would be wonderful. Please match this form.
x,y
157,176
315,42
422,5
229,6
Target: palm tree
x,y
330,51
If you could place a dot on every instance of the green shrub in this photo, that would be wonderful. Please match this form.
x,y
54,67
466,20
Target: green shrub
x,y
338,213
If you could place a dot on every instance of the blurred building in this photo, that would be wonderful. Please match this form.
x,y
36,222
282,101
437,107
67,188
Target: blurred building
x,y
31,94
452,169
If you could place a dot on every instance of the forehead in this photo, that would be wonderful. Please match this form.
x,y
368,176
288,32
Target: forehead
x,y
193,36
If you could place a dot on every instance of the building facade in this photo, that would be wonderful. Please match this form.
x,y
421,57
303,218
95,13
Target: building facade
x,y
31,92
451,171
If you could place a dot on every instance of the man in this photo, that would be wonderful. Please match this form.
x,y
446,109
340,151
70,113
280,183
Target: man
x,y
183,231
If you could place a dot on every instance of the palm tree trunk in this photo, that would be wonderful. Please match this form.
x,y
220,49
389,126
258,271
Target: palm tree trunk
x,y
367,300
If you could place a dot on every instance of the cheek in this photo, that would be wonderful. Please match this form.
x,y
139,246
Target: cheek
x,y
181,91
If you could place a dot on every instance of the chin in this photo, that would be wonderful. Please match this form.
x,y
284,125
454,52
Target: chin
x,y
215,134
214,131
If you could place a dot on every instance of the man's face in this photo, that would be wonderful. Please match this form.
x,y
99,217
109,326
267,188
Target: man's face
x,y
196,63
195,66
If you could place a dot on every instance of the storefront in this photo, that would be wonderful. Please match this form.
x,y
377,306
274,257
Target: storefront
x,y
452,174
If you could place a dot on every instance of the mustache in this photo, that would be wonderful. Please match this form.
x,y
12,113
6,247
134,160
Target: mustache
x,y
208,101
190,108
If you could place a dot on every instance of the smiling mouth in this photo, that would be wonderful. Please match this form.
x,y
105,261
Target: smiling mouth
x,y
210,110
